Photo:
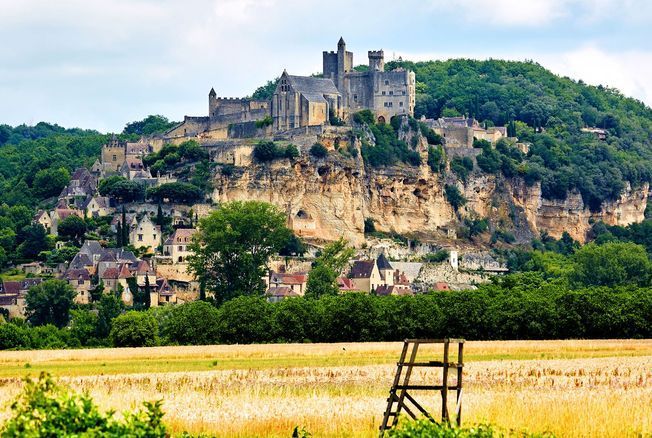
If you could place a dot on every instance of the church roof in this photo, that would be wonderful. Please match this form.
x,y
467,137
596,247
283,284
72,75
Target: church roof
x,y
383,263
309,86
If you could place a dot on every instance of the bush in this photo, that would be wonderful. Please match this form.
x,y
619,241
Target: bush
x,y
318,150
264,122
47,409
364,117
13,337
437,257
195,323
462,166
265,151
291,152
424,428
435,156
134,329
454,196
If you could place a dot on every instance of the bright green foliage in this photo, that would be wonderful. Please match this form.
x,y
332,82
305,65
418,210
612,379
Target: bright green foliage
x,y
318,150
108,308
388,149
291,152
424,428
293,247
233,246
46,409
245,318
267,150
152,124
121,188
134,329
612,264
50,303
322,279
265,92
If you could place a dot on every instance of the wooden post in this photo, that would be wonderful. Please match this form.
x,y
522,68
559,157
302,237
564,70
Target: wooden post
x,y
444,387
460,364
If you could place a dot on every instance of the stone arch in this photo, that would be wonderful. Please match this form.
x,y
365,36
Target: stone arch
x,y
381,120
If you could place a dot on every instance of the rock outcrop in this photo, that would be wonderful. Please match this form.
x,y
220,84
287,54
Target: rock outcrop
x,y
329,198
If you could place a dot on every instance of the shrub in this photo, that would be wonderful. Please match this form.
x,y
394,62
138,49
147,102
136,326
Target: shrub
x,y
195,323
454,196
291,152
265,151
134,329
424,428
47,409
13,337
437,257
318,150
264,122
462,166
435,155
364,116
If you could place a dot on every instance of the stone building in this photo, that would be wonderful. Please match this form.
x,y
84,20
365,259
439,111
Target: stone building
x,y
386,93
303,101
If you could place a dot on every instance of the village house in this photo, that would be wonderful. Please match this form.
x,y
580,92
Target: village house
x,y
297,282
60,213
43,218
80,280
177,245
97,206
145,234
279,293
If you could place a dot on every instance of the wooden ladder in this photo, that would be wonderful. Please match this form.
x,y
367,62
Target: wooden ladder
x,y
399,395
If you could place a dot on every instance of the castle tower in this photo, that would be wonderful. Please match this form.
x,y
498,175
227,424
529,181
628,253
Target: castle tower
x,y
376,60
344,63
212,102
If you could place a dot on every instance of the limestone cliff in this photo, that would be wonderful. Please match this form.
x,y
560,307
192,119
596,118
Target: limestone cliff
x,y
331,197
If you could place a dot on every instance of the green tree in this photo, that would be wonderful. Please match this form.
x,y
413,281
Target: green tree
x,y
72,228
195,323
454,196
49,182
265,150
233,246
322,279
83,326
612,264
134,329
50,303
34,240
176,192
108,308
152,124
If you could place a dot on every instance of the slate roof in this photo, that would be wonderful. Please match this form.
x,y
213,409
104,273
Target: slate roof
x,y
80,261
26,283
362,268
307,85
384,290
77,274
179,236
91,248
383,263
8,300
11,287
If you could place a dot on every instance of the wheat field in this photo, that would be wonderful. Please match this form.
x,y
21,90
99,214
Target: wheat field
x,y
570,388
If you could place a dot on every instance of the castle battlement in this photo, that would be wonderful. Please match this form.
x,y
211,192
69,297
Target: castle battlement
x,y
230,99
376,53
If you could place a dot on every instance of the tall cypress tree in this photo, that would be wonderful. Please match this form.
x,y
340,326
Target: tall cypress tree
x,y
159,215
147,298
125,228
118,235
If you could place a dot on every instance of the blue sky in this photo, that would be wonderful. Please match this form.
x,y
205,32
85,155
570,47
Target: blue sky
x,y
100,64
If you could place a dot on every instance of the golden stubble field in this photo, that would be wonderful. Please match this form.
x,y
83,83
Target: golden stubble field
x,y
570,388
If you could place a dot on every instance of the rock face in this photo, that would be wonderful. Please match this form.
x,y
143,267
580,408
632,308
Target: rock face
x,y
328,198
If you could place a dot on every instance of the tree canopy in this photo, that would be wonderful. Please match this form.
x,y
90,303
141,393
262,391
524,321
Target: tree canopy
x,y
233,245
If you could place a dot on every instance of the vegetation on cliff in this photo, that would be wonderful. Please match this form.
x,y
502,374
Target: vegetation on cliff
x,y
549,112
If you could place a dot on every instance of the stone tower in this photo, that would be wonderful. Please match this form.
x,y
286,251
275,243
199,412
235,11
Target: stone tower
x,y
376,60
337,64
212,102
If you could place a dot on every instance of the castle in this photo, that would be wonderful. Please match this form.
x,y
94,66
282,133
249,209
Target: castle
x,y
307,101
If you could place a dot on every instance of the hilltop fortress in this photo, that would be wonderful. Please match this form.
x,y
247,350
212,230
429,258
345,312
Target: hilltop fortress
x,y
308,101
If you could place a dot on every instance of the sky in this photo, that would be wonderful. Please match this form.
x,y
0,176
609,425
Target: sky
x,y
101,64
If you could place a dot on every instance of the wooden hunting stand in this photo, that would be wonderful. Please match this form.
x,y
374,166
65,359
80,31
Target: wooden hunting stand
x,y
398,394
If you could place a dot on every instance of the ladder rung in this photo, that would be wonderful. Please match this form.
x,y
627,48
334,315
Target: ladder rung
x,y
426,387
434,363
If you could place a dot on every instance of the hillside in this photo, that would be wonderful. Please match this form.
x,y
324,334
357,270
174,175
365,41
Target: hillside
x,y
553,111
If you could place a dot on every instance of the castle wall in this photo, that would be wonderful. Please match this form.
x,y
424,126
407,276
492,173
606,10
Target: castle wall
x,y
190,127
393,93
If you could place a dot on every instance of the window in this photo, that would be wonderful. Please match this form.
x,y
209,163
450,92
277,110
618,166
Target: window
x,y
403,92
383,93
355,97
391,93
180,248
154,236
400,104
140,237
386,82
80,281
115,158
